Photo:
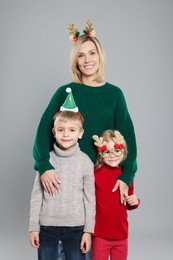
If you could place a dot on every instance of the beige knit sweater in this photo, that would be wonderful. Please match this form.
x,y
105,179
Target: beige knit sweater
x,y
75,205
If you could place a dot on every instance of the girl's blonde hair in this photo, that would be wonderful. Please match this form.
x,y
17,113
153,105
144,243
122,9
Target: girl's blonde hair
x,y
76,73
116,137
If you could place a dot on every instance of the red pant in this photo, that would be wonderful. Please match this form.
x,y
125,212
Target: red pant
x,y
103,248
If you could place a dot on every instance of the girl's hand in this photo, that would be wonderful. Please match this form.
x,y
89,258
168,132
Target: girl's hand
x,y
123,187
51,181
85,244
132,200
34,239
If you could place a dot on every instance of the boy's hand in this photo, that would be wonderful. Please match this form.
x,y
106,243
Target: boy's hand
x,y
34,239
85,244
123,187
51,181
132,200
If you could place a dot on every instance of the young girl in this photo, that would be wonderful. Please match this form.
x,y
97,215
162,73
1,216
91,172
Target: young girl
x,y
111,227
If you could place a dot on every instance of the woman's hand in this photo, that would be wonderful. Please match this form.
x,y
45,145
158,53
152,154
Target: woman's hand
x,y
85,244
123,187
34,239
51,182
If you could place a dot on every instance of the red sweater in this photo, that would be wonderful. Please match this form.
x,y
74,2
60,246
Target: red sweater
x,y
111,215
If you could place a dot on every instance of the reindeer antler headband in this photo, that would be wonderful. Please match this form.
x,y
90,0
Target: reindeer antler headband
x,y
118,139
74,33
101,145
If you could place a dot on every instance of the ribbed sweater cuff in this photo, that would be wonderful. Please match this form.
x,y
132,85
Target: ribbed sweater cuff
x,y
89,228
34,227
127,178
43,166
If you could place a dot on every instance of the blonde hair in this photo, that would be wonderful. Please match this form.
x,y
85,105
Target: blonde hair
x,y
68,115
116,137
76,73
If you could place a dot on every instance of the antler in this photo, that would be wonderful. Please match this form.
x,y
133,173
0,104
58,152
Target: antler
x,y
98,141
89,25
72,29
89,30
119,138
74,32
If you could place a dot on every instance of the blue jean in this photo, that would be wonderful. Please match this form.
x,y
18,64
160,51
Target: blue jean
x,y
70,238
61,256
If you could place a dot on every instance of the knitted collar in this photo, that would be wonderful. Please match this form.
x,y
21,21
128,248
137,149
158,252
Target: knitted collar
x,y
65,154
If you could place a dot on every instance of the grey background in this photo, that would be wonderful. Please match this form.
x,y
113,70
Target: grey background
x,y
34,61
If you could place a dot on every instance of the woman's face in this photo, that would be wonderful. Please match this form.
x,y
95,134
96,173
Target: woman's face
x,y
88,59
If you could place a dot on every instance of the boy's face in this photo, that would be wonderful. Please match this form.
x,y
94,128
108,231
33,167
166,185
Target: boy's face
x,y
112,157
67,132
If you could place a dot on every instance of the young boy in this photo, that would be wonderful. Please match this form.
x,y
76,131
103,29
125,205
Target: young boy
x,y
70,215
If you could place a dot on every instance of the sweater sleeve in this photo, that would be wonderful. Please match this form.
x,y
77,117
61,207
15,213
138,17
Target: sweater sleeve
x,y
131,192
44,138
35,205
89,197
124,124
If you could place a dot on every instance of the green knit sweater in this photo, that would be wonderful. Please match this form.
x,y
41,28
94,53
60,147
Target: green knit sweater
x,y
103,108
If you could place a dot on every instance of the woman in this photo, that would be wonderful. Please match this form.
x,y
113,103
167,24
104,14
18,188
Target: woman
x,y
102,105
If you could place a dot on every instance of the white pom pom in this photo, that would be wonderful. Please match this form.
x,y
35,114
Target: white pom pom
x,y
71,38
68,90
93,33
